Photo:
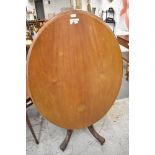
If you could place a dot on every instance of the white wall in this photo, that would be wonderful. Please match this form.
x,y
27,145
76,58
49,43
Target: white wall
x,y
117,6
30,5
30,8
55,6
105,5
94,3
84,5
97,4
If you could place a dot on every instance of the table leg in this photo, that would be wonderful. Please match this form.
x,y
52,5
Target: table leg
x,y
66,140
96,135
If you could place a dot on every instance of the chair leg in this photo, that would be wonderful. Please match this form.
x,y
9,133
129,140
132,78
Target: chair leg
x,y
127,72
31,129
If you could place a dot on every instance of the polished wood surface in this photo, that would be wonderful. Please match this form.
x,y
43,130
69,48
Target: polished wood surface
x,y
123,40
74,70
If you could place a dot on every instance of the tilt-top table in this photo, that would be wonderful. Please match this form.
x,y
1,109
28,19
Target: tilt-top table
x,y
74,71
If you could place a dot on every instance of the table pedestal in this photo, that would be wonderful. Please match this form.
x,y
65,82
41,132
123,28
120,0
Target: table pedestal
x,y
69,133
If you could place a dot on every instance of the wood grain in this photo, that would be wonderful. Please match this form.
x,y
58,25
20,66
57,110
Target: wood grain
x,y
74,70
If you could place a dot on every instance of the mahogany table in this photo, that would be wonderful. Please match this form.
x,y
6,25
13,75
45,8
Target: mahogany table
x,y
74,71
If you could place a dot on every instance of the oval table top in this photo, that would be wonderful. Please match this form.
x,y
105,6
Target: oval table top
x,y
74,69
